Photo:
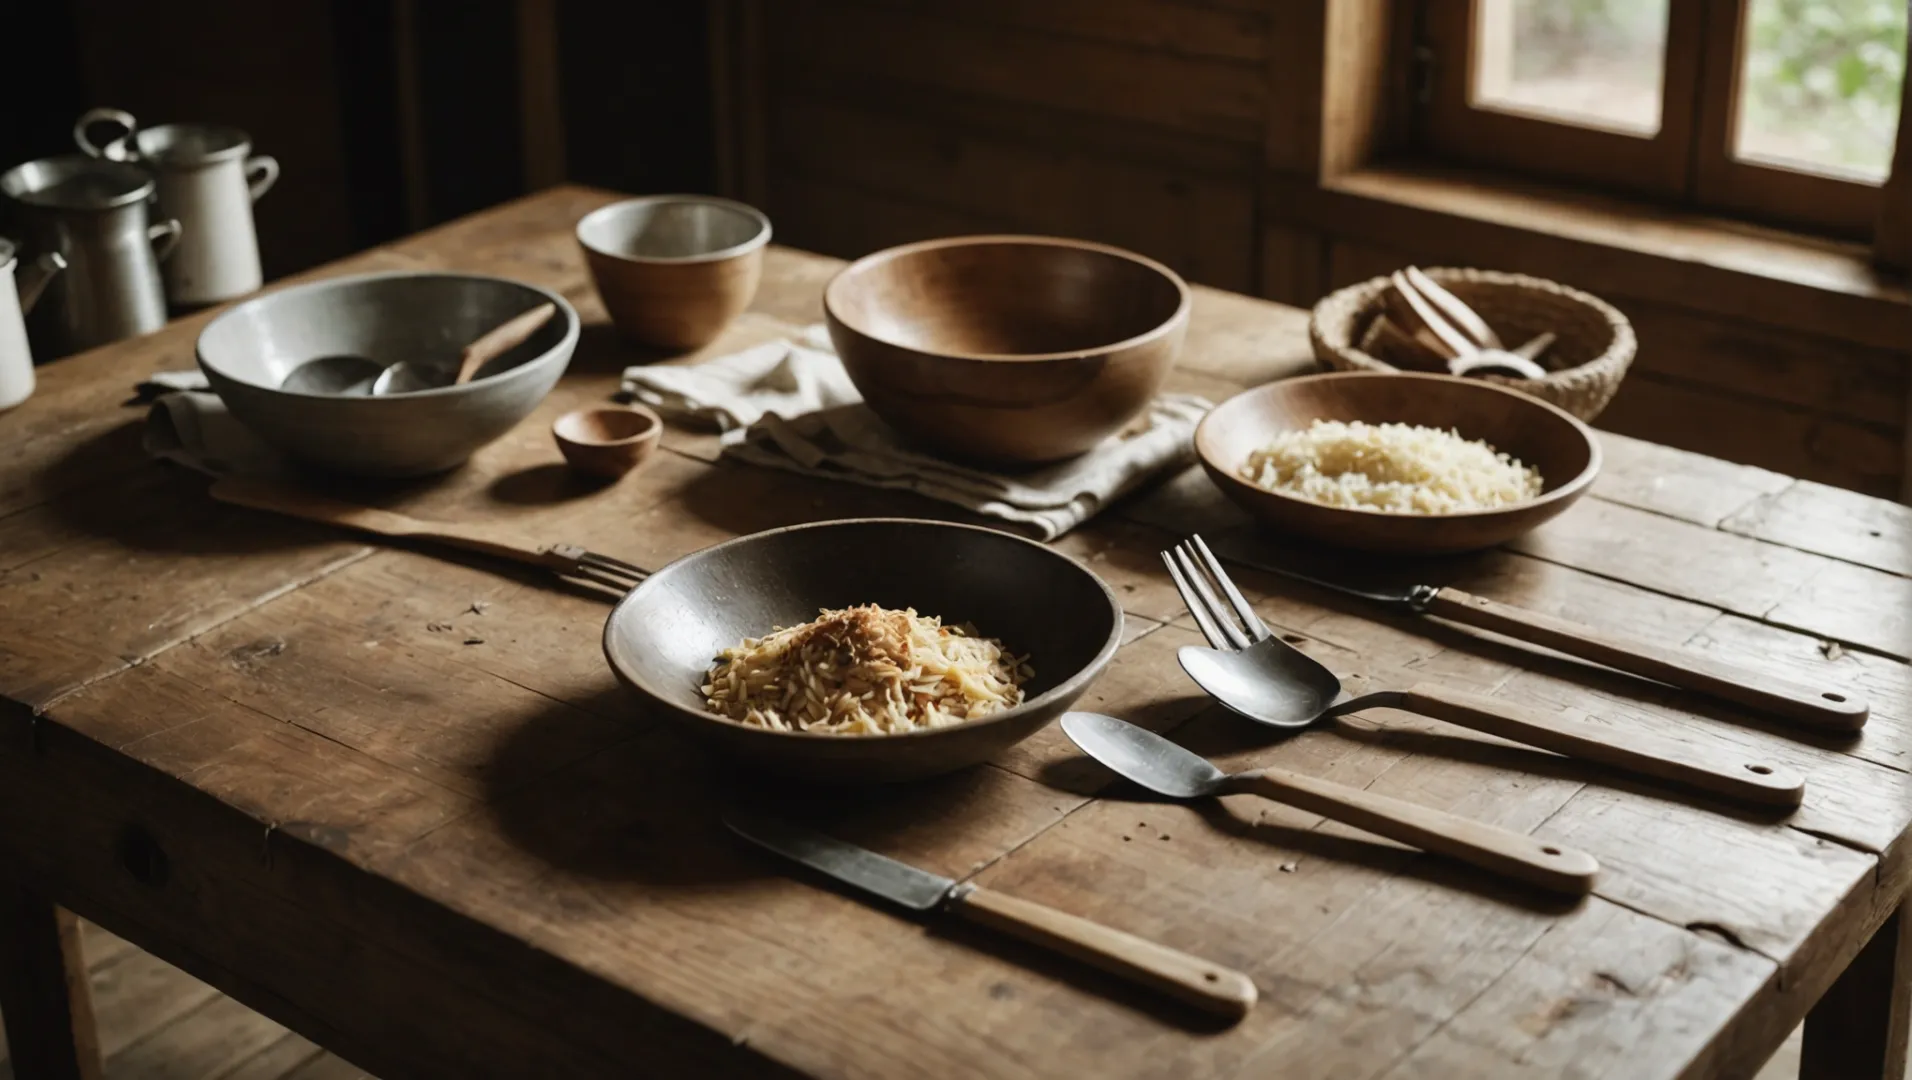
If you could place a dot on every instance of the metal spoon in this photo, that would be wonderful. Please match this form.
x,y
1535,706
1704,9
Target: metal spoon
x,y
1167,769
338,376
406,377
1264,678
354,376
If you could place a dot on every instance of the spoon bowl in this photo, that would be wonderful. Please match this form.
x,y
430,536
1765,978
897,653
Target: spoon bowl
x,y
340,376
1148,759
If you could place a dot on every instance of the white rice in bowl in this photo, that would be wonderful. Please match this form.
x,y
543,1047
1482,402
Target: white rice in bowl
x,y
865,671
1391,468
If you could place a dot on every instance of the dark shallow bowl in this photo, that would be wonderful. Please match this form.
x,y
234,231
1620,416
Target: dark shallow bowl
x,y
1007,348
1541,436
664,636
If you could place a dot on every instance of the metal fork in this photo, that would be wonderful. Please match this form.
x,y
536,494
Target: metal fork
x,y
568,560
1264,678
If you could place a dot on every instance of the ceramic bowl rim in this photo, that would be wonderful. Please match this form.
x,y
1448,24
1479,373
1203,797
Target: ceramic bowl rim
x,y
1166,327
1569,490
526,370
653,429
1062,691
756,241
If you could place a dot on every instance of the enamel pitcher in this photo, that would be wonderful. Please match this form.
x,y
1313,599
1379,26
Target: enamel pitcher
x,y
92,214
208,179
18,291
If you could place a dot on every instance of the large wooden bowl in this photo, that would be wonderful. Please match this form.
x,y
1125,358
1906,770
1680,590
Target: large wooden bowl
x,y
662,639
1540,435
1007,348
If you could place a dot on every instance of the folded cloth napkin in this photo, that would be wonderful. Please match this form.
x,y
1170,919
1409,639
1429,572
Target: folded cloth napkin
x,y
190,426
732,392
789,405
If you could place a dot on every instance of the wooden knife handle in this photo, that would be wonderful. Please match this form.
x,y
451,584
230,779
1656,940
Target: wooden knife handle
x,y
283,499
502,339
1186,978
1684,668
1720,773
1497,850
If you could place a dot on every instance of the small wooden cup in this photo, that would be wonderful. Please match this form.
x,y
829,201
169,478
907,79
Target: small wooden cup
x,y
673,270
610,441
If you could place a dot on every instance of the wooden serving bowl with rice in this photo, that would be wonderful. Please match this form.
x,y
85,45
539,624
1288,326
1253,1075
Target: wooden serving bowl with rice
x,y
863,694
1349,483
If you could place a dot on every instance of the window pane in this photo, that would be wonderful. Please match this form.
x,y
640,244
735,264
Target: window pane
x,y
1595,63
1819,85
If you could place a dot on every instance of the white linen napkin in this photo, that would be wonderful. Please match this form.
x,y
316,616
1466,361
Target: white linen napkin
x,y
790,405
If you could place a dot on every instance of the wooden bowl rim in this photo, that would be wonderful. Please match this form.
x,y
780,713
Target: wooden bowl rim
x,y
1569,490
757,240
653,429
1163,329
1068,688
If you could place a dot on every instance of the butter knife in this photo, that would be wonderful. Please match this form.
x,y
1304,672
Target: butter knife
x,y
1821,707
1186,978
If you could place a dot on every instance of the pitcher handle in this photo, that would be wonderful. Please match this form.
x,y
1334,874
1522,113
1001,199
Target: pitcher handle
x,y
115,149
262,171
164,237
35,276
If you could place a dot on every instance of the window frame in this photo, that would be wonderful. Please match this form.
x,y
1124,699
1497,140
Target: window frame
x,y
1688,161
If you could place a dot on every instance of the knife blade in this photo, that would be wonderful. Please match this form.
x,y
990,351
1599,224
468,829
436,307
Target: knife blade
x,y
1832,708
1177,974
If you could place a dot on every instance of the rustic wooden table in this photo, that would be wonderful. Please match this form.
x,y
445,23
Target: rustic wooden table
x,y
397,802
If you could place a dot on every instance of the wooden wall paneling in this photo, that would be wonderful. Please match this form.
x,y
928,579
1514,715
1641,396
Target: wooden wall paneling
x,y
1200,225
1223,33
1810,445
813,212
737,78
540,107
411,125
1363,84
942,50
1292,133
1293,265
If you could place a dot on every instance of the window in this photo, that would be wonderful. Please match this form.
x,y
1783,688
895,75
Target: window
x,y
1784,111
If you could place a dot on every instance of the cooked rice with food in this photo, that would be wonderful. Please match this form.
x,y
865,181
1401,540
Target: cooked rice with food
x,y
865,671
1393,468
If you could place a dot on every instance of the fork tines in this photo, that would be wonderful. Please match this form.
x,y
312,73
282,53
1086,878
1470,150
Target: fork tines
x,y
1198,575
575,561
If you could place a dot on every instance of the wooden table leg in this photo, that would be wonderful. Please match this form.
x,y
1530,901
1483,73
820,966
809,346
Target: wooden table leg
x,y
44,995
1858,1030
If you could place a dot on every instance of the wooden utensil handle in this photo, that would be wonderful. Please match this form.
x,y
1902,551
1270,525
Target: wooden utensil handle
x,y
1684,668
502,339
1501,851
283,499
1453,308
1186,978
1730,775
1414,314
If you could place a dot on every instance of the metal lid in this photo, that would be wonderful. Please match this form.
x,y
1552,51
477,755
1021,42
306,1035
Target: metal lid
x,y
76,182
186,146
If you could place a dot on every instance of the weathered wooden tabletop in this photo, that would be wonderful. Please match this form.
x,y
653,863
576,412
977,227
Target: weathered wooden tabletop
x,y
396,800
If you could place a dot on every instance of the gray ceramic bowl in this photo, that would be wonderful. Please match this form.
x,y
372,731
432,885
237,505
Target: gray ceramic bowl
x,y
424,318
664,636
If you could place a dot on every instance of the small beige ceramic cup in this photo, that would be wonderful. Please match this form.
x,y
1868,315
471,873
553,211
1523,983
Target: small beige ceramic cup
x,y
608,441
673,270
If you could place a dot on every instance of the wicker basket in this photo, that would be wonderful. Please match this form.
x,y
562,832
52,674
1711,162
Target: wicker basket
x,y
1585,365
